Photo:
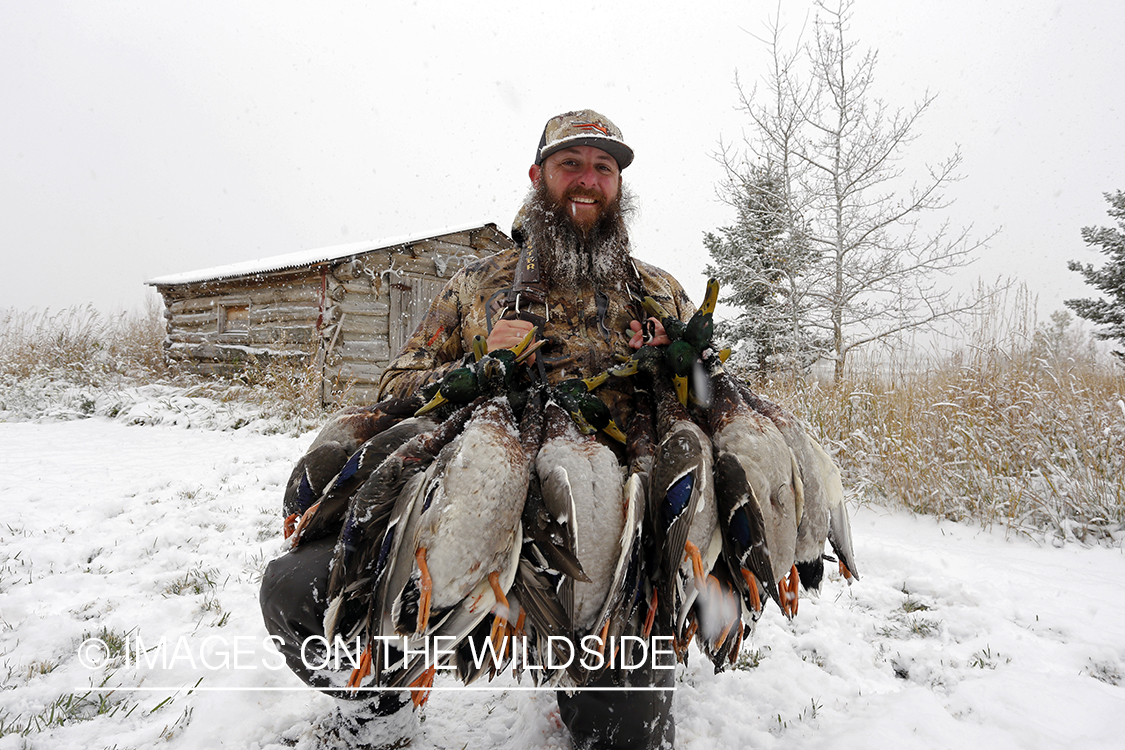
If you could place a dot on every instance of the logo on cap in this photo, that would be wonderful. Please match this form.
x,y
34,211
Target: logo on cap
x,y
593,126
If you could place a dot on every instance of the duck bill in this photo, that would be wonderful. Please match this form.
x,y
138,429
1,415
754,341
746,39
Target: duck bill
x,y
519,348
711,298
596,380
582,423
681,383
625,370
654,308
480,347
434,403
530,350
614,432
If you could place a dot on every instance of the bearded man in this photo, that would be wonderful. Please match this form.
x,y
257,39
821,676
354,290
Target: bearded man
x,y
572,276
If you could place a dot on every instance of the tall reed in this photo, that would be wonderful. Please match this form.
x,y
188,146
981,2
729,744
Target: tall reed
x,y
1023,426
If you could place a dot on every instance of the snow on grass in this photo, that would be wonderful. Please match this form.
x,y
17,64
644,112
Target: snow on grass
x,y
141,527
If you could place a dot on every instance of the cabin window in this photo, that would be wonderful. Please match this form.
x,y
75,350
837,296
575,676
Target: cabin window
x,y
234,319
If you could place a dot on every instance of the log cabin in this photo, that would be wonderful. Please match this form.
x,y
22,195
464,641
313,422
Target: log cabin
x,y
344,311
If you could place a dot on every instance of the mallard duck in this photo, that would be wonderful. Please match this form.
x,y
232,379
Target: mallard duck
x,y
825,516
484,373
451,548
684,520
689,341
468,532
547,556
761,494
590,414
327,513
682,513
336,442
582,476
360,555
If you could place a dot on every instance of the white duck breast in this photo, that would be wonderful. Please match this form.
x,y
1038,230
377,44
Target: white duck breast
x,y
573,464
471,510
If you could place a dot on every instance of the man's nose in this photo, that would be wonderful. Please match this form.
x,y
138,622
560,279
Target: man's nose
x,y
588,177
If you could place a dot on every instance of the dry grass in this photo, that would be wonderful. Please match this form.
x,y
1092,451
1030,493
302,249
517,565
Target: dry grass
x,y
286,383
82,343
1024,427
82,346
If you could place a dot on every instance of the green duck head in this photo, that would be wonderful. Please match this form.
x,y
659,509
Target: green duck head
x,y
459,386
589,412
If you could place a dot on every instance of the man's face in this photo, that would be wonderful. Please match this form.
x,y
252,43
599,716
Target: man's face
x,y
582,181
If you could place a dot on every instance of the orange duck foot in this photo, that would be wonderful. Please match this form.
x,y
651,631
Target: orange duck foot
x,y
420,688
500,629
752,585
789,588
360,672
425,588
691,551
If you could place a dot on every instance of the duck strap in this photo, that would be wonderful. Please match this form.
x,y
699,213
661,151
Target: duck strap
x,y
527,287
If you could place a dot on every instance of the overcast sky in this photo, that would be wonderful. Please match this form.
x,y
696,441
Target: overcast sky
x,y
146,138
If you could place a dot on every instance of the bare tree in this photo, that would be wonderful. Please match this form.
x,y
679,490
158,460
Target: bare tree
x,y
839,147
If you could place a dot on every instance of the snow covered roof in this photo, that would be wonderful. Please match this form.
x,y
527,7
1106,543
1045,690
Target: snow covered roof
x,y
302,258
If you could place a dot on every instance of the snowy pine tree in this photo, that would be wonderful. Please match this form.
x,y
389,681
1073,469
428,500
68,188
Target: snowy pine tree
x,y
762,263
1109,279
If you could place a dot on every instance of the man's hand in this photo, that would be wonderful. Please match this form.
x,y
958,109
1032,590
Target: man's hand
x,y
659,337
507,333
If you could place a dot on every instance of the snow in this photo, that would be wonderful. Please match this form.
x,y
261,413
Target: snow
x,y
955,636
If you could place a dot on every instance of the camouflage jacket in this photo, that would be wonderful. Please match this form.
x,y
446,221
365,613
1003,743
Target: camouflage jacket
x,y
585,331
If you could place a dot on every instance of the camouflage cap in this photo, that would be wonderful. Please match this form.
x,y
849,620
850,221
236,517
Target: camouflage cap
x,y
584,127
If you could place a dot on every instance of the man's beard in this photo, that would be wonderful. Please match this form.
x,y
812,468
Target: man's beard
x,y
571,255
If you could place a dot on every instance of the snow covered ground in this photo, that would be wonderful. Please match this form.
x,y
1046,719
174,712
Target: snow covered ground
x,y
954,637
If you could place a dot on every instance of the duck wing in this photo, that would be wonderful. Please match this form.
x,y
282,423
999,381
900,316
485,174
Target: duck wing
x,y
744,535
327,513
340,437
683,515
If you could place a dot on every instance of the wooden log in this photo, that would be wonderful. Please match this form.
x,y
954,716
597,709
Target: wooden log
x,y
355,304
358,372
363,287
194,320
290,336
308,293
283,314
376,350
367,326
